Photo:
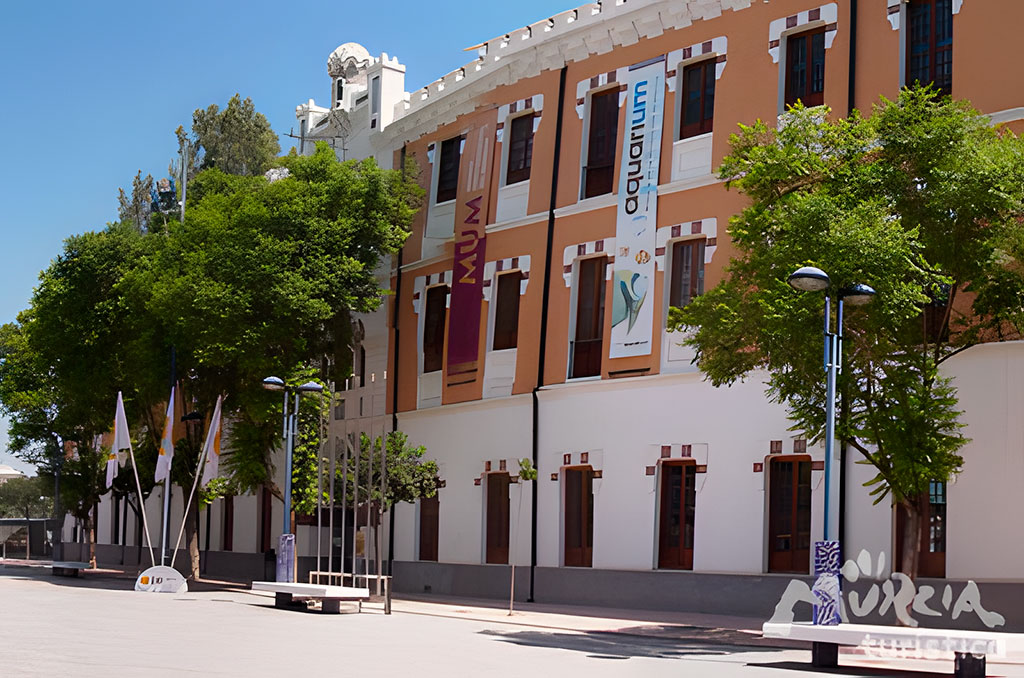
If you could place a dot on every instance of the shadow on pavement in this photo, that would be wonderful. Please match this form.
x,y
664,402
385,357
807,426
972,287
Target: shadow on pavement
x,y
618,645
848,671
109,580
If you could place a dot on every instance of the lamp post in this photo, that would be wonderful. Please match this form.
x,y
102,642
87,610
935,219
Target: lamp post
x,y
811,279
290,429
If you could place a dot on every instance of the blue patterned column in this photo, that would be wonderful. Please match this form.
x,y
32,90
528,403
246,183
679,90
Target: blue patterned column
x,y
826,584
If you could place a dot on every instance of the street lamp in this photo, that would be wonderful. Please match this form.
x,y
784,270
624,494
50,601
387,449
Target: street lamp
x,y
811,279
290,428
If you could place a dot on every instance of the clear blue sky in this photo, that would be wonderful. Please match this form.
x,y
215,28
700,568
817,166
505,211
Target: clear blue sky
x,y
90,93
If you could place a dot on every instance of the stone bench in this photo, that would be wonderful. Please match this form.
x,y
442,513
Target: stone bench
x,y
67,568
331,597
970,648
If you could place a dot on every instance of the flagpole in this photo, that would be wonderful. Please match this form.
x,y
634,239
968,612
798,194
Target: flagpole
x,y
184,517
165,523
142,503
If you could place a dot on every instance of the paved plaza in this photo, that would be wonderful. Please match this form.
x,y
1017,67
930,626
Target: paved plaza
x,y
97,626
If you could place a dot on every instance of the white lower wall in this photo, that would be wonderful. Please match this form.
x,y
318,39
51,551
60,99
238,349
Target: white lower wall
x,y
461,438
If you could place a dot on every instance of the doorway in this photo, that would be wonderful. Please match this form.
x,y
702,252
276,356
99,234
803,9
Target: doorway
x,y
676,517
789,515
579,516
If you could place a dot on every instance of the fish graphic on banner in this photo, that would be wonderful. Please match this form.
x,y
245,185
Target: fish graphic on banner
x,y
471,208
636,218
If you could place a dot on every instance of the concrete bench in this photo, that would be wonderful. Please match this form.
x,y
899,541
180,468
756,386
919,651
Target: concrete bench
x,y
66,568
331,597
970,648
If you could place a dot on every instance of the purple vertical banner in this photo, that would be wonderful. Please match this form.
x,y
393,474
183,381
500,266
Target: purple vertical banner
x,y
471,208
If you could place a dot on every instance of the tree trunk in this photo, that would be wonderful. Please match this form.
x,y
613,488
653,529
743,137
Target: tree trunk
x,y
192,539
90,526
911,545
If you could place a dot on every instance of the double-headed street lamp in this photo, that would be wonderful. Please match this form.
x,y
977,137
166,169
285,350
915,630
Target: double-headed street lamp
x,y
827,553
290,430
811,279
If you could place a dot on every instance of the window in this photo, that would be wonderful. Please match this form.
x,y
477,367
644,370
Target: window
x,y
434,328
805,68
520,149
586,350
930,43
374,101
599,172
789,515
579,516
697,104
362,367
497,517
687,280
448,169
678,502
430,509
506,311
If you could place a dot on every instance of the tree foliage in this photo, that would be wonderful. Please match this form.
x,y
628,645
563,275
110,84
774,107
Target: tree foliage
x,y
26,498
923,201
261,278
236,140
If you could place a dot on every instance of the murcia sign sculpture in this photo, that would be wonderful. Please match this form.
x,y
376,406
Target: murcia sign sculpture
x,y
898,592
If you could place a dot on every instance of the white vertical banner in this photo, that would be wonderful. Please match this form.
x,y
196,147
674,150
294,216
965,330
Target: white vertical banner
x,y
636,218
166,456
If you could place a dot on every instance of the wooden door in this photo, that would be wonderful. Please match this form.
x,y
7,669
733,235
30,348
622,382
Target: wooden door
x,y
497,517
678,502
430,509
579,516
789,515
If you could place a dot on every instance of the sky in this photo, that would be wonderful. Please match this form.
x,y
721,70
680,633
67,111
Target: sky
x,y
91,93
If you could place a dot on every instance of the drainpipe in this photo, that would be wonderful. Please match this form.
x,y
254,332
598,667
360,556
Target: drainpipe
x,y
545,303
394,375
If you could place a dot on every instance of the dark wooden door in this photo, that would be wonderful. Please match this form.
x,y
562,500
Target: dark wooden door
x,y
932,556
789,515
678,502
579,516
430,509
497,517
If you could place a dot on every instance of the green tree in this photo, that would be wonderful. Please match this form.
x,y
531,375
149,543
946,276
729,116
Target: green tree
x,y
236,140
82,340
26,498
136,208
922,201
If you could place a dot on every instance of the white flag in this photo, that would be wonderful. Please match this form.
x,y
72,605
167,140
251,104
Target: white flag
x,y
163,462
122,441
212,446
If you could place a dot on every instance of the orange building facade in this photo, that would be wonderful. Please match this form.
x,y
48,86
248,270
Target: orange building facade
x,y
571,198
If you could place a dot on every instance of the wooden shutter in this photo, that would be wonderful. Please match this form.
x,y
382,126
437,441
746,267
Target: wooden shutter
x,y
448,169
506,312
588,342
599,174
434,328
